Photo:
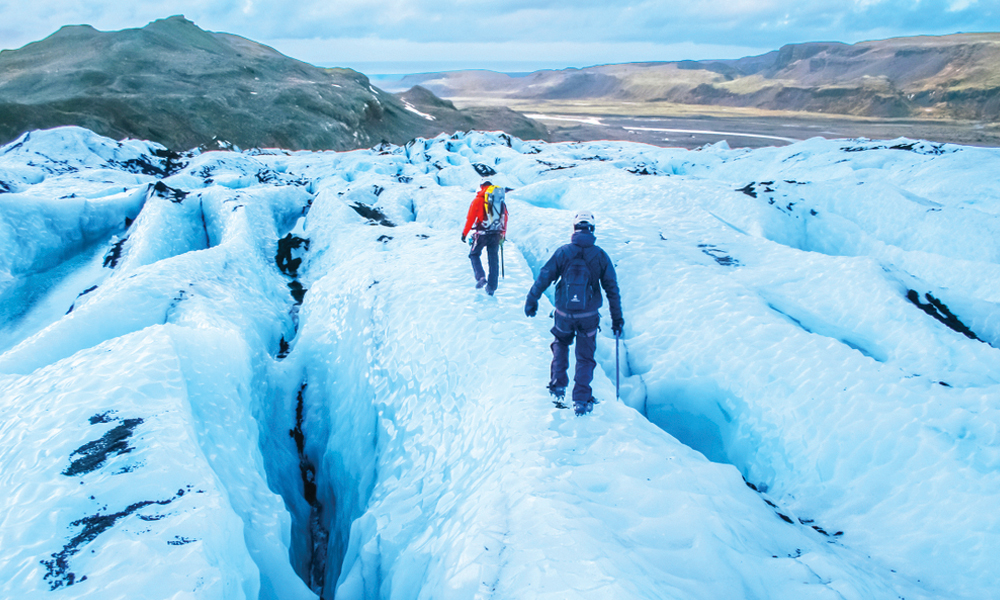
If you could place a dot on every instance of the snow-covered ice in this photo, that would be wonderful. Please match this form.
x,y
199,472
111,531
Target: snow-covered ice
x,y
268,374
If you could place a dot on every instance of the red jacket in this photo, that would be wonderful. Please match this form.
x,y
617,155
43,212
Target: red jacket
x,y
477,214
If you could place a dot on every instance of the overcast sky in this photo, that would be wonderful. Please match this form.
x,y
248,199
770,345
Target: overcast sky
x,y
407,36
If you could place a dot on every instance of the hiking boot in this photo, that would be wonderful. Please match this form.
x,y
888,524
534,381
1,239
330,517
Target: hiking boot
x,y
583,407
490,290
558,396
480,283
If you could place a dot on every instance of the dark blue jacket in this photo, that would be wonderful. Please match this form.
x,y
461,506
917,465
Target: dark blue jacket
x,y
602,273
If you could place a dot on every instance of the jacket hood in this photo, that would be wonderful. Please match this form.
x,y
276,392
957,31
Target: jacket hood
x,y
584,239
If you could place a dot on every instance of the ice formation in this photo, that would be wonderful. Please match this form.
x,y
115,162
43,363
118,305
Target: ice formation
x,y
267,374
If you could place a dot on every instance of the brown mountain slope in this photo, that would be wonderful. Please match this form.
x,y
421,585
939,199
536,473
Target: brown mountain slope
x,y
179,85
956,76
481,118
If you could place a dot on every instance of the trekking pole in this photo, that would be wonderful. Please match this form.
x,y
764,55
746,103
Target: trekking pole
x,y
617,370
501,261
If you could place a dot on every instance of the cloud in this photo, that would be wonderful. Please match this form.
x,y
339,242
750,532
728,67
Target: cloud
x,y
736,23
960,5
742,22
377,55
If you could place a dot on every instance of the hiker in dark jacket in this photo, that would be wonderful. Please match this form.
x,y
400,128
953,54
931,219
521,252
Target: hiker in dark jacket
x,y
574,316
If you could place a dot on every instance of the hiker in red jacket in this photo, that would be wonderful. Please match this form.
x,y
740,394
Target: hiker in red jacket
x,y
487,221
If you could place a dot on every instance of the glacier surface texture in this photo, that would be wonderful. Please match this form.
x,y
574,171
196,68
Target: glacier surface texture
x,y
269,374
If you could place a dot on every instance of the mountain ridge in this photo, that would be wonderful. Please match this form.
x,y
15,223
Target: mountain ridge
x,y
176,84
950,77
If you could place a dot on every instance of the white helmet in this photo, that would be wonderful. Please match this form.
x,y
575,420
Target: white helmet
x,y
583,220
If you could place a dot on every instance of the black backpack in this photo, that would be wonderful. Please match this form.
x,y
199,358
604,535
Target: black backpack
x,y
576,284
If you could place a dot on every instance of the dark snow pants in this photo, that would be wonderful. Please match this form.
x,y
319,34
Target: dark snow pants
x,y
491,242
583,327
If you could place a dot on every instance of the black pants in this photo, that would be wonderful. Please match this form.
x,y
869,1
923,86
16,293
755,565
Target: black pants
x,y
584,329
491,242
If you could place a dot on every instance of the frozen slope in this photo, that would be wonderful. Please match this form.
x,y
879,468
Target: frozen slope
x,y
479,488
131,463
818,320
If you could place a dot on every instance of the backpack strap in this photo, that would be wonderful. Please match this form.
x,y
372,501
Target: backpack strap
x,y
486,200
583,255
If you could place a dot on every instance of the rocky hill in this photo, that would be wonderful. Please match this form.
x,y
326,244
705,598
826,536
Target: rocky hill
x,y
181,86
449,118
955,76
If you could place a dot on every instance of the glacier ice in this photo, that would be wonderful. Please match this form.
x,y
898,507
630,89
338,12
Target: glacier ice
x,y
355,420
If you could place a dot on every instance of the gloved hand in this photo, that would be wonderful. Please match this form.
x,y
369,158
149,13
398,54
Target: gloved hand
x,y
618,326
530,307
463,239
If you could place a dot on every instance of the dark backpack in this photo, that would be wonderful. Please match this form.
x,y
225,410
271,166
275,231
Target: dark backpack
x,y
495,208
576,284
